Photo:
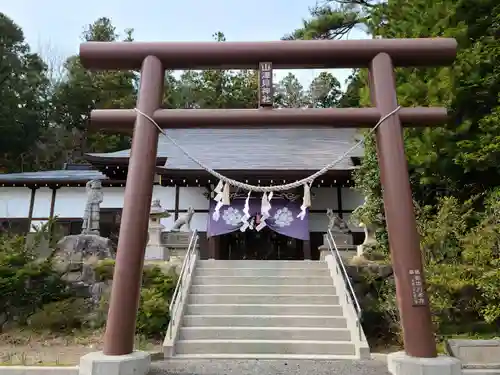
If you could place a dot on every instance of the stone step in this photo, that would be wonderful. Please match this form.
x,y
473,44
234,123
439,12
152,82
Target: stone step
x,y
284,299
258,347
264,333
259,289
309,264
263,321
253,309
263,280
272,357
259,272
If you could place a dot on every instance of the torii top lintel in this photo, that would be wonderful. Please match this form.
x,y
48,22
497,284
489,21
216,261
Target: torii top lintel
x,y
297,54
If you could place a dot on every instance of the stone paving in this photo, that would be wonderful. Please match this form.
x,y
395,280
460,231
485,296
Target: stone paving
x,y
264,367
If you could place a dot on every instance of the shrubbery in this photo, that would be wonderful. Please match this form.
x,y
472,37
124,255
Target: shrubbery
x,y
461,250
156,293
61,316
26,282
34,294
153,316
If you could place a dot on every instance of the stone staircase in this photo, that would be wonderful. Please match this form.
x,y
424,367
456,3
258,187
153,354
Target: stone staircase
x,y
264,309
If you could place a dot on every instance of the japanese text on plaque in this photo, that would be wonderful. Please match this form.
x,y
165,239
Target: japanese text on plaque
x,y
266,84
417,288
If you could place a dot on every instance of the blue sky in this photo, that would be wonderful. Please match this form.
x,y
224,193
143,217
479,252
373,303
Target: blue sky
x,y
54,27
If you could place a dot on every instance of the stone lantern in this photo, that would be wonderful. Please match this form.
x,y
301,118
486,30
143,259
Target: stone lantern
x,y
154,249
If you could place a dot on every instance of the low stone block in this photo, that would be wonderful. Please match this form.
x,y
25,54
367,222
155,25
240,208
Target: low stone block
x,y
156,253
97,363
342,240
176,238
476,353
38,370
400,363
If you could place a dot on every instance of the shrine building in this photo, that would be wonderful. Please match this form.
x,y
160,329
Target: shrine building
x,y
255,156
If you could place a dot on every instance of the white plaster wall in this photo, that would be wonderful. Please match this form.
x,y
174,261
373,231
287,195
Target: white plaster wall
x,y
324,197
199,222
70,202
166,195
43,198
15,202
193,196
351,199
113,197
318,222
167,222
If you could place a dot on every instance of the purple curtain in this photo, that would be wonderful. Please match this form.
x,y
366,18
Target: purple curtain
x,y
229,220
283,218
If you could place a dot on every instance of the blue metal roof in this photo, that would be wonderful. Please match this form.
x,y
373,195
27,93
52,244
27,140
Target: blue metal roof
x,y
60,175
255,149
229,149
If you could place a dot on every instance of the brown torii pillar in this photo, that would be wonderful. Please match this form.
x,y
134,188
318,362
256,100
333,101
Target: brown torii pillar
x,y
380,55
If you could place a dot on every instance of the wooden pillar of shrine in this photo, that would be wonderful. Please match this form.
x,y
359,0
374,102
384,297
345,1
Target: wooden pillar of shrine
x,y
404,241
120,327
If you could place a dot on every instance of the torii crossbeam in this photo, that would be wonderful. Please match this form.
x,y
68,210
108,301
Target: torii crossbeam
x,y
381,56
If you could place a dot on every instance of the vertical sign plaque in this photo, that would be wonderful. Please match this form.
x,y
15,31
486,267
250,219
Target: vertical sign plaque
x,y
266,84
417,288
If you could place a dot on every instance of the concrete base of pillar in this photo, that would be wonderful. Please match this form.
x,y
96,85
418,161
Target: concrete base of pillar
x,y
97,363
400,363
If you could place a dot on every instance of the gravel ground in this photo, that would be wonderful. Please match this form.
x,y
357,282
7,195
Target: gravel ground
x,y
265,367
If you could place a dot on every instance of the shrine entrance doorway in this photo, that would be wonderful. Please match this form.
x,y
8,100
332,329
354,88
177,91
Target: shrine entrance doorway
x,y
263,245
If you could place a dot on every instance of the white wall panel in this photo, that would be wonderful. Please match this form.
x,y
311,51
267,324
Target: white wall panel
x,y
112,197
193,197
167,222
15,202
199,222
318,222
43,199
351,199
324,197
166,195
70,202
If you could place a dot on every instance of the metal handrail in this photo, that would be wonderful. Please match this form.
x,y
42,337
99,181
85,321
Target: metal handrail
x,y
351,295
177,296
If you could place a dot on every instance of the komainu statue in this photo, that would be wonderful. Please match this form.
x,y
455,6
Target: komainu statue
x,y
336,223
183,220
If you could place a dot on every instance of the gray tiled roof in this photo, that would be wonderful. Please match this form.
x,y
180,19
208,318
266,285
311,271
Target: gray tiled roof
x,y
59,175
262,149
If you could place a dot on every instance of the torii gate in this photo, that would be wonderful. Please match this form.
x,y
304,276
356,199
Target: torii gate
x,y
381,56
